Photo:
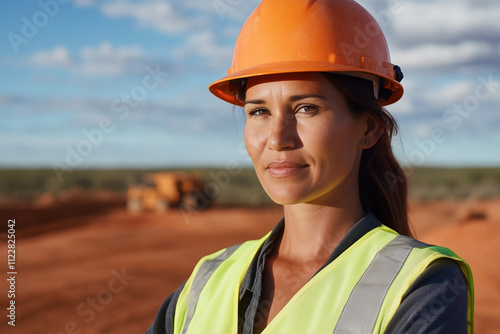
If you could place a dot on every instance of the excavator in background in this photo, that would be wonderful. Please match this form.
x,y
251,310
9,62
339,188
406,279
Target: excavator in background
x,y
162,191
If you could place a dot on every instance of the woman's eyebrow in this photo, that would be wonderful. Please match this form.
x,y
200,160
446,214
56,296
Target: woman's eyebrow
x,y
305,96
292,98
253,102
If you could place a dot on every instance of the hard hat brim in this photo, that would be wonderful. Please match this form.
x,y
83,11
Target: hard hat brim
x,y
226,89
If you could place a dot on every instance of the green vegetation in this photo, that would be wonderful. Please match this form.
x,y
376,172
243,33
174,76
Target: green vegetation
x,y
240,186
458,183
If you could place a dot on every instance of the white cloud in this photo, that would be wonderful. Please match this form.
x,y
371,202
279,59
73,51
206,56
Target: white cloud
x,y
104,59
402,107
446,20
406,105
452,93
84,3
201,6
174,17
203,44
107,52
434,101
423,130
431,56
57,57
159,15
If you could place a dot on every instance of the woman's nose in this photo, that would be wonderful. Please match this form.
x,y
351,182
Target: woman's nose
x,y
282,133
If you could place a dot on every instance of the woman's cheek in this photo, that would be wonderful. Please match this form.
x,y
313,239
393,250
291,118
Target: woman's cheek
x,y
251,142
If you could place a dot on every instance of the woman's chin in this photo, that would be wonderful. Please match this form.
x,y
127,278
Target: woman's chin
x,y
286,196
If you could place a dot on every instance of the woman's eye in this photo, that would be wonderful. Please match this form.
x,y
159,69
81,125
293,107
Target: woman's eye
x,y
257,112
308,109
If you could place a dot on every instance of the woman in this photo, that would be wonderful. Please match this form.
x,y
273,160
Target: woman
x,y
312,77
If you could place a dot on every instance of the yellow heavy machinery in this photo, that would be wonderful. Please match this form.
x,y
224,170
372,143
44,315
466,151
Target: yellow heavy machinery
x,y
162,191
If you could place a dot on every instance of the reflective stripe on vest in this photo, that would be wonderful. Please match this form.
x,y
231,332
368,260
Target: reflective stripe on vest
x,y
206,270
358,292
363,306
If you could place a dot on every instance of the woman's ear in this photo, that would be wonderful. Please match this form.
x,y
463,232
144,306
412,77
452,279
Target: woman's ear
x,y
373,131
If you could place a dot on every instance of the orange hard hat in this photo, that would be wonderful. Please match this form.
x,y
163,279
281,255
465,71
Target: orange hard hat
x,y
285,36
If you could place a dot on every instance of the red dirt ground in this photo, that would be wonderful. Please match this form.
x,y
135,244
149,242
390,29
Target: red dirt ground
x,y
67,268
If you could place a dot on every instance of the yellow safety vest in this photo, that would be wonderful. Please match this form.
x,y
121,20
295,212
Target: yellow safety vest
x,y
358,292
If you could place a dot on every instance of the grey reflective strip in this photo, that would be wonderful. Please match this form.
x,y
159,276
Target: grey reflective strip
x,y
206,270
363,306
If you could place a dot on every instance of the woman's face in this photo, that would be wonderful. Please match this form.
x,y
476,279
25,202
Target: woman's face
x,y
302,139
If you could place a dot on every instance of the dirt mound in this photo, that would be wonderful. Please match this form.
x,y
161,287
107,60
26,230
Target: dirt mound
x,y
57,212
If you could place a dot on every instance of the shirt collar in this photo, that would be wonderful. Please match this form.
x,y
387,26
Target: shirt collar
x,y
253,279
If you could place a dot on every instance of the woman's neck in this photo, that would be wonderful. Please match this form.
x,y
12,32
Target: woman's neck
x,y
312,231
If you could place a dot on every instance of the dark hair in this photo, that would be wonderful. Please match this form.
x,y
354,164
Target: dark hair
x,y
382,182
383,187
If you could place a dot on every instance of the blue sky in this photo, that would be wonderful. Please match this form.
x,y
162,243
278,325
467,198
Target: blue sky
x,y
123,83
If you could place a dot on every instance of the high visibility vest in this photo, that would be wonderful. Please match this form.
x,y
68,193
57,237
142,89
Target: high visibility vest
x,y
358,292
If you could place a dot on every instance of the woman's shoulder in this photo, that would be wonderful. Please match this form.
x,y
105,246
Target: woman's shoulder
x,y
164,320
436,302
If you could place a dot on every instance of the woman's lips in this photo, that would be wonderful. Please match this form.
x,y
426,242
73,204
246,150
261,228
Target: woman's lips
x,y
279,169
